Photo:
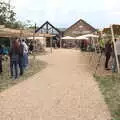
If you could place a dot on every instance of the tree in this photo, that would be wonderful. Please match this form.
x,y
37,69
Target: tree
x,y
7,16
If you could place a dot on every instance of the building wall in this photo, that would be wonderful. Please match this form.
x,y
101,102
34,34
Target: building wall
x,y
79,28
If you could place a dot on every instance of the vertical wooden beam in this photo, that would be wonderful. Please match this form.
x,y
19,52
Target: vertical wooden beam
x,y
34,56
51,41
61,40
34,32
115,50
52,31
47,28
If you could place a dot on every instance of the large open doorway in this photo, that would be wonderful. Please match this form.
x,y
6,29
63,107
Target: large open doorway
x,y
48,42
5,41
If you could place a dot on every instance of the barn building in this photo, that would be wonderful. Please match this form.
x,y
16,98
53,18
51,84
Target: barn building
x,y
81,27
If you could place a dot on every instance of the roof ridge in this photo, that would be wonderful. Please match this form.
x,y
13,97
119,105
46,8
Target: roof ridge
x,y
78,22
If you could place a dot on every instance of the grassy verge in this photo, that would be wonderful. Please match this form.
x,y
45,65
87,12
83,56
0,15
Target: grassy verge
x,y
34,67
110,87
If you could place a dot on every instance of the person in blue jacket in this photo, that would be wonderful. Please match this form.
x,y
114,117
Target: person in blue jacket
x,y
1,54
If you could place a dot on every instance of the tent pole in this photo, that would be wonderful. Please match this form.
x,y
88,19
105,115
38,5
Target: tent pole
x,y
34,56
60,42
115,51
51,39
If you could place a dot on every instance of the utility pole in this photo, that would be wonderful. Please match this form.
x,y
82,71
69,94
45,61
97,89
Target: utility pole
x,y
9,4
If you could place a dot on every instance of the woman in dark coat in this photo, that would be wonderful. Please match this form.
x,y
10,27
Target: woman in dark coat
x,y
14,57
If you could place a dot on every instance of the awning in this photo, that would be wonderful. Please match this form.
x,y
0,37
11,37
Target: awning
x,y
68,38
91,35
81,38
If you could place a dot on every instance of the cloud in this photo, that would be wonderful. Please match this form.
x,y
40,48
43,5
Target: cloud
x,y
55,3
115,13
66,12
111,4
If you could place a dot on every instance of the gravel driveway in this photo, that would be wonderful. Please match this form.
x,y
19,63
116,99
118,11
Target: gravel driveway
x,y
65,90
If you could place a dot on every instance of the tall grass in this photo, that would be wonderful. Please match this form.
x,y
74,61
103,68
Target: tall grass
x,y
110,87
5,80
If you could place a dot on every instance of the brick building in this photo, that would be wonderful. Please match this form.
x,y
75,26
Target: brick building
x,y
79,28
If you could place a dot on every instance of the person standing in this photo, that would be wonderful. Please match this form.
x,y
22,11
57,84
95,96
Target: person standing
x,y
25,54
102,45
21,58
82,45
14,58
108,51
5,50
31,48
1,53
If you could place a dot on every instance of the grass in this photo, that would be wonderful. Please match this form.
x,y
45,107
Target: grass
x,y
35,66
110,87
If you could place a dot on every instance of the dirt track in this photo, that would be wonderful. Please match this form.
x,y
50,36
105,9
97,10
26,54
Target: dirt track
x,y
65,90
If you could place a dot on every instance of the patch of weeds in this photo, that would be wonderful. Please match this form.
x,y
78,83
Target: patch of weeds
x,y
110,87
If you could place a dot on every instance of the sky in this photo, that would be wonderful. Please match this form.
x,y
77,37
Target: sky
x,y
64,13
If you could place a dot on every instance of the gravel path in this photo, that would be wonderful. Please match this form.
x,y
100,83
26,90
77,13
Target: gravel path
x,y
65,90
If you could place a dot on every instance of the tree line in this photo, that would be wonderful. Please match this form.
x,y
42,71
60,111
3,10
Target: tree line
x,y
8,17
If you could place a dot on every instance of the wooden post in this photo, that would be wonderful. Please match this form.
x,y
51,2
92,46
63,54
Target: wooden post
x,y
51,44
47,28
60,41
34,56
92,53
115,51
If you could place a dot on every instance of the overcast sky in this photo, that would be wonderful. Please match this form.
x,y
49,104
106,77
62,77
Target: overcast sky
x,y
63,13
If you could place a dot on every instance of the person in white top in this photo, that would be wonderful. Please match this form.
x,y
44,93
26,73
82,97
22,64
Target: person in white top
x,y
25,54
25,47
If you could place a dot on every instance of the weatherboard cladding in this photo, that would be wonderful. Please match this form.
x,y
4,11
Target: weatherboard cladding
x,y
79,28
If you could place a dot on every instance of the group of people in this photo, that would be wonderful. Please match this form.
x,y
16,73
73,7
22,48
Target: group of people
x,y
109,52
18,54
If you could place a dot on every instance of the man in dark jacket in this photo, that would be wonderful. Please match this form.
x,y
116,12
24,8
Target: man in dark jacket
x,y
21,58
108,51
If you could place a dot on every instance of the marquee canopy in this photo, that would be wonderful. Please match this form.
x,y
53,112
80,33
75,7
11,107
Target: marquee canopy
x,y
90,35
7,32
68,38
81,38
